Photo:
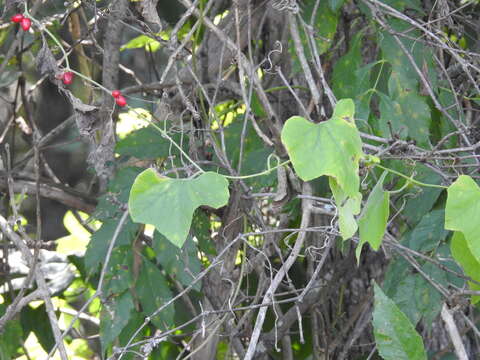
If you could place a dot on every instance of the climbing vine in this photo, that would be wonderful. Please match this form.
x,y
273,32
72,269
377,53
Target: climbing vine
x,y
252,180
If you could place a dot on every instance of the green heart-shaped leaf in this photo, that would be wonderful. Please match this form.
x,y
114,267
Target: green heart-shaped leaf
x,y
330,148
168,204
462,211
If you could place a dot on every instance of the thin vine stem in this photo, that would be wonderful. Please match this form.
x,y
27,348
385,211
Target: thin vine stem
x,y
410,179
265,172
53,37
165,135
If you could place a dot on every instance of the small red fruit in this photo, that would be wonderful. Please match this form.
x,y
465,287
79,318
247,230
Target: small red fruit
x,y
17,18
120,100
25,23
67,77
116,94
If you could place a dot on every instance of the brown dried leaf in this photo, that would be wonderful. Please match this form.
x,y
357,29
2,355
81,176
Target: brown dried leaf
x,y
45,61
86,116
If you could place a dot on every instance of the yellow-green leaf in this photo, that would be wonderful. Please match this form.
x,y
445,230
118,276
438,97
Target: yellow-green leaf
x,y
330,148
462,211
168,203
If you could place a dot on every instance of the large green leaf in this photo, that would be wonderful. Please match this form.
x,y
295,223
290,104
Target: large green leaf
x,y
347,208
414,296
148,143
462,211
254,155
335,5
401,64
344,80
109,212
403,4
8,77
428,233
12,337
181,264
463,256
429,300
395,336
114,316
118,192
421,200
130,329
352,80
100,241
119,276
405,107
330,148
36,320
373,220
324,23
153,292
408,115
168,203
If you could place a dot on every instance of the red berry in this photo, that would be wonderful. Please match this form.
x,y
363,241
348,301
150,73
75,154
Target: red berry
x,y
120,100
116,93
17,18
67,77
25,23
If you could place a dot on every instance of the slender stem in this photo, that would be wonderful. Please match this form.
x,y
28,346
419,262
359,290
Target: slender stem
x,y
90,80
44,28
266,172
412,180
65,55
165,135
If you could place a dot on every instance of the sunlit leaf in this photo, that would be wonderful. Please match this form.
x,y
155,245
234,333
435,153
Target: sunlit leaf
x,y
330,148
168,203
77,241
462,211
142,41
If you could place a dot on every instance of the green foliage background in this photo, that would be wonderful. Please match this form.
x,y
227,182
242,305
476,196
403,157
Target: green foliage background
x,y
288,180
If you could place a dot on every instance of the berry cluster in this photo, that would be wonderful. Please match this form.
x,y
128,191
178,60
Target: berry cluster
x,y
24,22
67,76
119,99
